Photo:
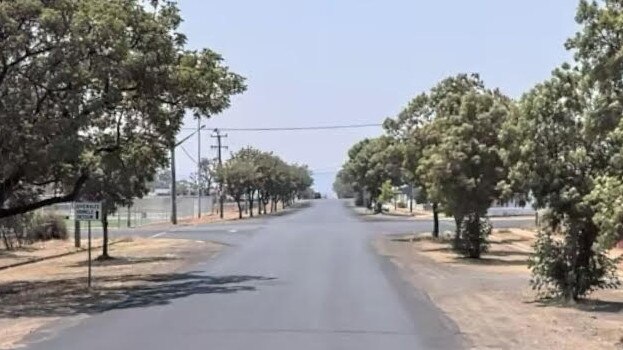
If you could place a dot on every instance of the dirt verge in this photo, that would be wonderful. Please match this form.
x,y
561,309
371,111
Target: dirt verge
x,y
491,301
143,272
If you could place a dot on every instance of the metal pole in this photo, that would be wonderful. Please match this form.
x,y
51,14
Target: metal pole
x,y
411,199
219,146
129,221
198,167
89,252
173,189
77,234
220,163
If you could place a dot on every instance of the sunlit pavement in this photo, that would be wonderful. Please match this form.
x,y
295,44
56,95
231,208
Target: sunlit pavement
x,y
306,280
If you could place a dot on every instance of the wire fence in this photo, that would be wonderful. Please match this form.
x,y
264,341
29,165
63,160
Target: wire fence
x,y
144,211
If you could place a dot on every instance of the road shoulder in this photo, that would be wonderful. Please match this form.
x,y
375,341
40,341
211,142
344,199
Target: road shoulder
x,y
52,293
491,302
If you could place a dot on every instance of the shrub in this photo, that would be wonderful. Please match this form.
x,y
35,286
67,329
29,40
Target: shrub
x,y
555,271
46,227
402,205
13,230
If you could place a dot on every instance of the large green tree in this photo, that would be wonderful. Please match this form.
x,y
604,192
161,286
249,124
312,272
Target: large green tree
x,y
463,166
410,129
556,160
567,154
371,162
81,81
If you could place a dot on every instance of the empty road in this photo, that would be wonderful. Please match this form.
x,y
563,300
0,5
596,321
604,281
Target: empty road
x,y
306,280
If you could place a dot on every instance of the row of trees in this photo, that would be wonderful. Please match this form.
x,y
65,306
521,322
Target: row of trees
x,y
92,94
559,146
251,175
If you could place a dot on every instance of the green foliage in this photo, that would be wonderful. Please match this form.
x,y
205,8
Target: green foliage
x,y
555,158
472,238
250,171
565,151
461,165
387,192
206,175
93,92
372,162
343,186
555,271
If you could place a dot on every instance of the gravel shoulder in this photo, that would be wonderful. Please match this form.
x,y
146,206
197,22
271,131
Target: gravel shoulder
x,y
491,300
36,295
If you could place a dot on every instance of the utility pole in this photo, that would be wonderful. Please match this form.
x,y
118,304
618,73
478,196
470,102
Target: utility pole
x,y
173,186
198,167
219,146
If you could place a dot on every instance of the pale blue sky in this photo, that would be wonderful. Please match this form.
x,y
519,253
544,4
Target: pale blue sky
x,y
321,62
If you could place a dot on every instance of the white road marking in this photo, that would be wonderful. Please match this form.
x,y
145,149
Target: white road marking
x,y
233,231
159,234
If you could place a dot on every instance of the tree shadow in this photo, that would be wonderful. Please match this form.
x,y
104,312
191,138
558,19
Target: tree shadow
x,y
491,261
123,261
7,254
58,298
443,249
296,207
512,240
588,305
507,253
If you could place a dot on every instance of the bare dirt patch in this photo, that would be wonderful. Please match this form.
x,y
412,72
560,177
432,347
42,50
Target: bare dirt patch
x,y
491,301
143,272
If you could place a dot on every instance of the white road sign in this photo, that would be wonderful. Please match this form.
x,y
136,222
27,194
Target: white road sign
x,y
87,211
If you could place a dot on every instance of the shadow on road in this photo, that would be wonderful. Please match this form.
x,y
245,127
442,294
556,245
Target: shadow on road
x,y
69,297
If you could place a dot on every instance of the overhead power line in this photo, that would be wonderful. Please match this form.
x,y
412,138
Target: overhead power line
x,y
301,128
188,154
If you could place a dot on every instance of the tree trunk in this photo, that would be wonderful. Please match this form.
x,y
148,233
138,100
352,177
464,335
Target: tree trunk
x,y
457,230
251,204
239,208
411,200
104,232
475,243
435,220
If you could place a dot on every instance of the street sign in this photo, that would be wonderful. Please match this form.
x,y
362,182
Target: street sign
x,y
87,211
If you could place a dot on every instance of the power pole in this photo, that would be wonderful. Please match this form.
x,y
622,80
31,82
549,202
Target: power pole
x,y
173,188
199,167
219,146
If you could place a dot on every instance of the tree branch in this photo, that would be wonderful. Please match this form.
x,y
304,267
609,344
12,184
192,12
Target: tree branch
x,y
6,212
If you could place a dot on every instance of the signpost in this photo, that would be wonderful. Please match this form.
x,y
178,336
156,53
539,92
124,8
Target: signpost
x,y
88,211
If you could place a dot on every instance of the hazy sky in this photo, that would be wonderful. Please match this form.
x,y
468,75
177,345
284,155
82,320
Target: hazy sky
x,y
321,62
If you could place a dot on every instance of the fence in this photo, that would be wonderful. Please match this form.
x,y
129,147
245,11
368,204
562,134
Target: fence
x,y
144,211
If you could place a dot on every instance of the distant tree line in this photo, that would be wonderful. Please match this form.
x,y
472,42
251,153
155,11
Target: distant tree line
x,y
262,179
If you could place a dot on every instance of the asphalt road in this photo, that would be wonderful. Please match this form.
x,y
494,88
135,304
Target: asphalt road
x,y
306,280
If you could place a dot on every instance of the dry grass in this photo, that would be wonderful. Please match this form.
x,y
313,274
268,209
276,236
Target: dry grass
x,y
491,302
141,274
